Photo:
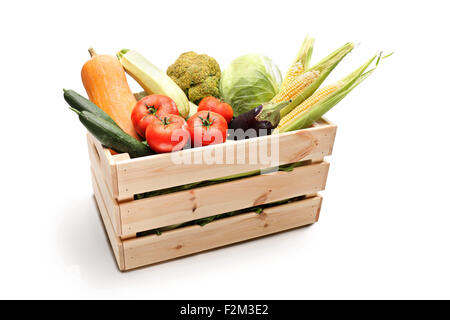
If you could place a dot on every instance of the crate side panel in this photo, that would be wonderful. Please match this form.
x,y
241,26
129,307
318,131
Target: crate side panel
x,y
165,170
102,159
184,241
110,203
115,242
183,206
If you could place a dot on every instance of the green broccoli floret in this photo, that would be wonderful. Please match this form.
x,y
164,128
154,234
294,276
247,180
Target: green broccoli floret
x,y
197,75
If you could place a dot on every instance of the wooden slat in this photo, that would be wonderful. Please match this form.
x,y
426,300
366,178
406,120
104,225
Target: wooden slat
x,y
100,161
112,208
116,243
184,241
174,208
102,158
159,171
101,177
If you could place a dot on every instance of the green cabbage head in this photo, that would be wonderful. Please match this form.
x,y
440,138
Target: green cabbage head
x,y
249,81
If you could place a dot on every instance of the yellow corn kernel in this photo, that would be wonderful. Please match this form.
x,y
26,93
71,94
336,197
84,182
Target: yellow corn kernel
x,y
294,71
309,103
296,86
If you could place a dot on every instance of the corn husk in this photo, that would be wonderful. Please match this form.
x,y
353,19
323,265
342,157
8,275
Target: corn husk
x,y
348,83
324,67
300,63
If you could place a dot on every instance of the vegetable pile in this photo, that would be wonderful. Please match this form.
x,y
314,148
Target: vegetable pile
x,y
195,104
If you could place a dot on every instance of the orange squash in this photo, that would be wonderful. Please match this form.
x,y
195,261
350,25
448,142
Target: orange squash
x,y
106,85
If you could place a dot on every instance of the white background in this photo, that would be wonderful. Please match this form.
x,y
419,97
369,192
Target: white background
x,y
384,230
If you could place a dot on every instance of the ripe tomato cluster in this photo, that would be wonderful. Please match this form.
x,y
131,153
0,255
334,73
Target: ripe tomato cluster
x,y
215,105
156,118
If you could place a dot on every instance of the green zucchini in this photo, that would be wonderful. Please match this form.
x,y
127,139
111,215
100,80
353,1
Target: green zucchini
x,y
111,136
80,103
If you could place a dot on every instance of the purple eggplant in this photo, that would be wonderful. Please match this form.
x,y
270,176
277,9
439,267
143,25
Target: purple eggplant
x,y
262,119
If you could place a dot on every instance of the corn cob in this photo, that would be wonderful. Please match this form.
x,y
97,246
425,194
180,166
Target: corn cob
x,y
308,103
318,104
301,62
294,71
324,68
296,86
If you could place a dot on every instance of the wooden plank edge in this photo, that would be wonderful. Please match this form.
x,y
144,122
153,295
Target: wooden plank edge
x,y
333,127
319,209
114,241
108,164
169,242
327,169
99,161
325,121
101,177
113,160
111,205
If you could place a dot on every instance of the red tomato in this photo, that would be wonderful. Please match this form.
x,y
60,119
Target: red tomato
x,y
148,108
167,134
215,105
208,102
207,127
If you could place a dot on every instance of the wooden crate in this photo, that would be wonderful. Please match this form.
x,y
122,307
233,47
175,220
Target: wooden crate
x,y
117,179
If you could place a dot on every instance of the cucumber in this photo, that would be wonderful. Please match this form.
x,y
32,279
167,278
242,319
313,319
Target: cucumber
x,y
80,103
111,136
